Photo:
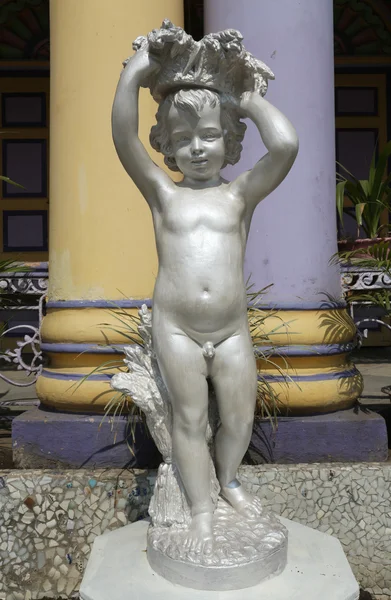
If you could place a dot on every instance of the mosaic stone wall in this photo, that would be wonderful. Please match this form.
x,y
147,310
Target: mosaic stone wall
x,y
48,519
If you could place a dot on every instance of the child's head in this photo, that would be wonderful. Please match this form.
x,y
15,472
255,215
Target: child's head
x,y
196,121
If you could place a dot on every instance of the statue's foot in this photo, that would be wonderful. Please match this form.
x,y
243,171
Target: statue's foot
x,y
199,537
245,504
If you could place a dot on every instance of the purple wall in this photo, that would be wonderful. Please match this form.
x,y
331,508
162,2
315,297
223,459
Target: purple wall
x,y
293,233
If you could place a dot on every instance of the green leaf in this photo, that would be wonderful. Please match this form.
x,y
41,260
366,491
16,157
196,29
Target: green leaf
x,y
385,192
355,192
359,209
375,258
372,170
365,185
8,180
380,169
11,266
340,199
352,177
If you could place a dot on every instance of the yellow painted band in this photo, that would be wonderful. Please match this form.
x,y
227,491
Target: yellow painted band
x,y
313,362
305,364
89,326
302,398
311,397
73,363
286,327
90,396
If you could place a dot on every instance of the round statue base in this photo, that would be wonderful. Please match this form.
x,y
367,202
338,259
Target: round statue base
x,y
245,553
317,568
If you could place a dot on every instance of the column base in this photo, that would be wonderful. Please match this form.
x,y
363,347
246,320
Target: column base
x,y
351,435
43,439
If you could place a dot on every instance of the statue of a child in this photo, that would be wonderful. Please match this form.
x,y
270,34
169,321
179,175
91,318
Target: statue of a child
x,y
199,320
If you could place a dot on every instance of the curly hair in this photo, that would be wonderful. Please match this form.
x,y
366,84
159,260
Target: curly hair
x,y
193,100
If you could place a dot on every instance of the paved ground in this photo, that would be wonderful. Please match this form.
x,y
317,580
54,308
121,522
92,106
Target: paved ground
x,y
11,393
17,399
375,366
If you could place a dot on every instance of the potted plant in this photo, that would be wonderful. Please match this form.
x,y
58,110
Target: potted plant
x,y
374,258
369,198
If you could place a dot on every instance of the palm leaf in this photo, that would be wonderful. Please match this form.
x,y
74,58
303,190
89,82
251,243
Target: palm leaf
x,y
365,185
8,180
385,191
380,169
340,199
359,209
11,266
372,171
374,258
355,192
351,176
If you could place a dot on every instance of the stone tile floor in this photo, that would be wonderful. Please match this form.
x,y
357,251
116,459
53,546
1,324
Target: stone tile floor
x,y
18,399
375,366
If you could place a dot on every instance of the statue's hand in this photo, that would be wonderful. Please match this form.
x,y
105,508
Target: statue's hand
x,y
142,64
245,102
240,103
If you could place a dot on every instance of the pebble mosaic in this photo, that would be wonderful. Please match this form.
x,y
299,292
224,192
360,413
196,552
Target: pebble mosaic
x,y
49,519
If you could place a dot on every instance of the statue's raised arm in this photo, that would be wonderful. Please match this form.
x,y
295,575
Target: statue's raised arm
x,y
281,141
148,177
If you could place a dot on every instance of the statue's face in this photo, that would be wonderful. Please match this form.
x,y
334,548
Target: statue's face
x,y
197,142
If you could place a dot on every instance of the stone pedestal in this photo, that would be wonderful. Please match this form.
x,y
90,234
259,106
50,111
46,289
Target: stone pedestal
x,y
44,439
317,567
353,435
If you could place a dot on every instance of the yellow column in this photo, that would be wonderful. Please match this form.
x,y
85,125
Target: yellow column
x,y
102,250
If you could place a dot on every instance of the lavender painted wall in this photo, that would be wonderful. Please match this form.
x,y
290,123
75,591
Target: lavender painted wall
x,y
293,233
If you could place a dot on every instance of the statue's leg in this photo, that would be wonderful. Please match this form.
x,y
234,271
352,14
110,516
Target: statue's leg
x,y
184,372
234,376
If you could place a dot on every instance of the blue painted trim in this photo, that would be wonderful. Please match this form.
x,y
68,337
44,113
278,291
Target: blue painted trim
x,y
76,376
99,303
37,267
269,378
148,302
307,350
315,377
84,348
301,307
293,350
35,270
24,274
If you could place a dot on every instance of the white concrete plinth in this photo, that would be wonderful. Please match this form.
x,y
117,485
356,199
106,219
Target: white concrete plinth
x,y
317,569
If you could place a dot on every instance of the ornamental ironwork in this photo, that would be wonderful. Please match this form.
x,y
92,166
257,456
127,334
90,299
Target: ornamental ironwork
x,y
354,279
19,292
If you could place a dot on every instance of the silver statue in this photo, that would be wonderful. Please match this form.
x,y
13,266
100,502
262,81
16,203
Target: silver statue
x,y
199,322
